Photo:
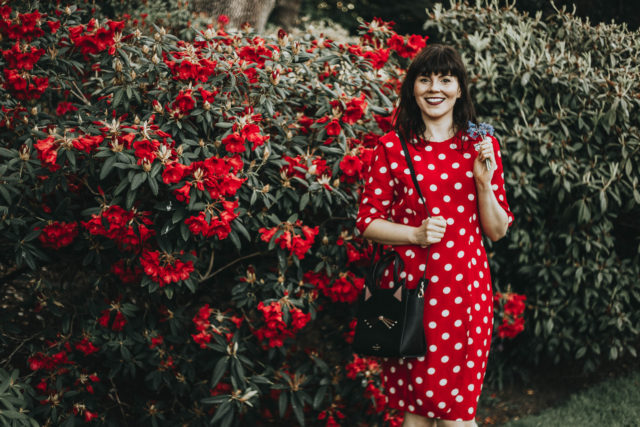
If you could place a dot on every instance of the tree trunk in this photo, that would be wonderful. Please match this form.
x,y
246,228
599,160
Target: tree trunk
x,y
255,12
286,13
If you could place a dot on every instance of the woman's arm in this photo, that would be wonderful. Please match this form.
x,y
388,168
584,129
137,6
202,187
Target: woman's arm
x,y
494,220
389,233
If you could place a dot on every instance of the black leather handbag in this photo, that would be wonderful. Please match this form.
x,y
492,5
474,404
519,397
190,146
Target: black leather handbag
x,y
389,321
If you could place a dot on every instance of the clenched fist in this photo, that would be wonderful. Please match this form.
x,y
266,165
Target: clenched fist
x,y
430,231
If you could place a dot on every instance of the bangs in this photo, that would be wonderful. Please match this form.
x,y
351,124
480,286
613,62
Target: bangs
x,y
439,62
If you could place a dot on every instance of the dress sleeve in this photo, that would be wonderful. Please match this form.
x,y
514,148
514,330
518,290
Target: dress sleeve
x,y
497,182
377,196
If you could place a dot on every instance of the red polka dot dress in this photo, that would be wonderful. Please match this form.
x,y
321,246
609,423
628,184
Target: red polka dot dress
x,y
458,315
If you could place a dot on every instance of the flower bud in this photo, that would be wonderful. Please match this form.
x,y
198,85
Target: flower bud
x,y
206,106
296,47
137,33
136,120
133,75
325,240
157,37
34,110
157,107
179,150
201,142
208,34
275,77
145,49
25,153
117,65
146,166
155,59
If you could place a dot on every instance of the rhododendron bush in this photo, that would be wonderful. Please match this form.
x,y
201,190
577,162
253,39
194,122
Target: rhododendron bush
x,y
177,216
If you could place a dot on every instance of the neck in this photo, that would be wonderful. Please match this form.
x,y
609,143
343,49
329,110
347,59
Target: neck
x,y
439,130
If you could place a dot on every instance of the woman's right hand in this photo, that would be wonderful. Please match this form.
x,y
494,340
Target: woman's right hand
x,y
431,231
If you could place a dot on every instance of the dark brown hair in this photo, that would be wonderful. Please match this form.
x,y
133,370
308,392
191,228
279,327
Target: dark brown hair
x,y
435,59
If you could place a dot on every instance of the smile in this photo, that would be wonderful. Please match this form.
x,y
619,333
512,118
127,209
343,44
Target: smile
x,y
434,101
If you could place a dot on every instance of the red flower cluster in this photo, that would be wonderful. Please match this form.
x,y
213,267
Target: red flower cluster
x,y
513,307
297,244
366,365
48,363
25,27
330,415
352,168
344,289
217,225
216,175
91,40
408,48
48,147
118,321
129,229
57,234
86,347
275,329
206,328
24,86
377,395
64,107
164,268
18,59
190,64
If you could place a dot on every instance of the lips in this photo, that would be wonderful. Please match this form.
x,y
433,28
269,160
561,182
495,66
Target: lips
x,y
434,101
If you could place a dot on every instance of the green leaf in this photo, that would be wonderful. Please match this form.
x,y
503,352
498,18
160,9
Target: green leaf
x,y
138,179
221,367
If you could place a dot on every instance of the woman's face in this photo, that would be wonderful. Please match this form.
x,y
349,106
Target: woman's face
x,y
436,95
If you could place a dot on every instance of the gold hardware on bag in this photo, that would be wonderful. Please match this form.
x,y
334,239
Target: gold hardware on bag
x,y
421,291
376,347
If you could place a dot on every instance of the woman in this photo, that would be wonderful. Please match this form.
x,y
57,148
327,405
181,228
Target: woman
x,y
464,197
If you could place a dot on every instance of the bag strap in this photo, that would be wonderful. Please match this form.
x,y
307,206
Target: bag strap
x,y
407,157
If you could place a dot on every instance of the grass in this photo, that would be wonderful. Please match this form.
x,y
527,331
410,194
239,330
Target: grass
x,y
612,403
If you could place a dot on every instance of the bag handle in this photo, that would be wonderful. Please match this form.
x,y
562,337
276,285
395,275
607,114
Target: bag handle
x,y
407,157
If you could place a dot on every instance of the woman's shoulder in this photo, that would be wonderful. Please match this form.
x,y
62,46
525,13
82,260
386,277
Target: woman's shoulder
x,y
389,140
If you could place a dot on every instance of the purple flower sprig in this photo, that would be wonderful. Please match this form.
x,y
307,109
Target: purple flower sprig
x,y
480,131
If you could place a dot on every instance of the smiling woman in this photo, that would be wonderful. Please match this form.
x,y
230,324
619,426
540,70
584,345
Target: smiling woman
x,y
441,236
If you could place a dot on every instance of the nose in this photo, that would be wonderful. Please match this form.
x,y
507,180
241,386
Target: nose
x,y
435,85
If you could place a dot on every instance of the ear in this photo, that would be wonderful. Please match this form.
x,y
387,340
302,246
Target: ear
x,y
459,93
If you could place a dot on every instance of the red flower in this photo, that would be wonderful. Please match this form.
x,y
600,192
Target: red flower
x,y
22,60
234,143
89,416
333,128
174,172
183,103
24,86
251,133
352,168
57,235
511,329
164,268
344,289
355,110
86,347
182,193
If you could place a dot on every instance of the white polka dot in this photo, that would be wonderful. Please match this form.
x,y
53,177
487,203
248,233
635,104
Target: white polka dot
x,y
458,346
443,382
471,196
450,242
433,348
456,369
471,410
445,336
459,277
445,313
450,222
433,301
394,165
393,369
386,202
428,148
417,158
407,171
418,380
479,353
383,169
446,290
444,176
448,267
441,156
419,402
377,191
466,155
435,211
456,165
458,322
470,364
477,307
462,231
442,405
460,254
392,390
430,414
460,208
400,382
411,408
430,371
459,398
419,177
457,186
389,144
367,220
435,255
401,403
444,359
433,187
446,198
421,267
373,210
432,325
434,279
469,174
431,167
454,392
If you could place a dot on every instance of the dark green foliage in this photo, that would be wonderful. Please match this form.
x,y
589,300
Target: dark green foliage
x,y
564,97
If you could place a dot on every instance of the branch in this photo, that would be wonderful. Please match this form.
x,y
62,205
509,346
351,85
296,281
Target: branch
x,y
210,275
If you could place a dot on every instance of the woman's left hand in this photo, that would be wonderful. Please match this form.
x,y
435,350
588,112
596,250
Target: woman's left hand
x,y
485,151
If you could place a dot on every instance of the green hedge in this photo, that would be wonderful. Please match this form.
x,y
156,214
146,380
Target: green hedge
x,y
564,97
